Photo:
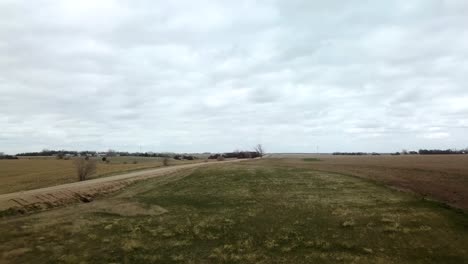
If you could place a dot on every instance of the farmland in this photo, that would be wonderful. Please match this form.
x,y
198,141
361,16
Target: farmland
x,y
31,173
275,210
440,177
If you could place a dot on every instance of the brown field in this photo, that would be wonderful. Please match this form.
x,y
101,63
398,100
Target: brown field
x,y
258,211
440,177
32,173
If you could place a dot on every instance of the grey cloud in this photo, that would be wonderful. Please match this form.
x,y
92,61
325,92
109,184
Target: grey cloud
x,y
220,75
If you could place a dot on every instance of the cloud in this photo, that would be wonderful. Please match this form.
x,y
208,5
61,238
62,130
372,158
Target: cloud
x,y
436,135
219,75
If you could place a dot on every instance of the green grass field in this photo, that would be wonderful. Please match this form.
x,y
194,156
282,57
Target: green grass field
x,y
252,212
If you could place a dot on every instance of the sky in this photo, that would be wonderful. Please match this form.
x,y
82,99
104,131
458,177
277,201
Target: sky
x,y
215,76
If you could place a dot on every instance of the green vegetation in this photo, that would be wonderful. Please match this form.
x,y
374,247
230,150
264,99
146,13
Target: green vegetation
x,y
251,212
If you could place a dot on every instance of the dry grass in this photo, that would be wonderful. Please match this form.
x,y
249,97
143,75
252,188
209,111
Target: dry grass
x,y
32,173
440,177
268,211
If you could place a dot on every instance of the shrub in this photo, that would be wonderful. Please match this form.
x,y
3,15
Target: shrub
x,y
188,157
215,156
165,161
84,168
220,158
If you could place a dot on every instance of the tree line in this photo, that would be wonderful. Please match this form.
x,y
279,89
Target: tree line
x,y
47,152
355,153
256,152
109,153
406,152
441,151
5,156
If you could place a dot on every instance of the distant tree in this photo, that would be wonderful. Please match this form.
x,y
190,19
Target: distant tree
x,y
404,152
60,155
111,153
220,158
438,151
259,149
5,156
214,156
350,153
165,161
188,157
84,168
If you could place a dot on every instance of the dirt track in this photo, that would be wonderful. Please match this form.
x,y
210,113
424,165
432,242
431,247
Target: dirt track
x,y
85,191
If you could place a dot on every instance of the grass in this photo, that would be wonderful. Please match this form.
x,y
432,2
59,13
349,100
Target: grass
x,y
440,177
33,173
252,212
311,159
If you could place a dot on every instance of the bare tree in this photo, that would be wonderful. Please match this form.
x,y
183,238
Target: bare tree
x,y
84,168
165,161
259,149
111,153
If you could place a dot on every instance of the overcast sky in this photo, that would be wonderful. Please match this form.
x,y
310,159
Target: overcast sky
x,y
195,76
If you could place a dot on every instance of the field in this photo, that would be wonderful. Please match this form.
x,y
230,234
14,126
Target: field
x,y
34,172
263,211
440,177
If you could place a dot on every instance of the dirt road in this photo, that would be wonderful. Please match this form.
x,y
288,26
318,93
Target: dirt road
x,y
85,191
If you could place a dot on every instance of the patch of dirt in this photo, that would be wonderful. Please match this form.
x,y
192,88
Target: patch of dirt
x,y
16,252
